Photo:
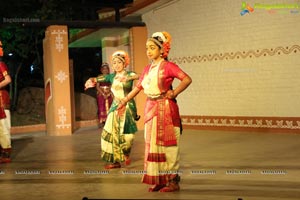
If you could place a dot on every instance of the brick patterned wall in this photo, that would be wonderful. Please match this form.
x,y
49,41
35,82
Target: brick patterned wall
x,y
247,66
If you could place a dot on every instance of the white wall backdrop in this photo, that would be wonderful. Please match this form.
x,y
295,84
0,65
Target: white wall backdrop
x,y
240,65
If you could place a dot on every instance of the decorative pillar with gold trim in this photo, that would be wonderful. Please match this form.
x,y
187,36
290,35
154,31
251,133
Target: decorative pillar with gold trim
x,y
57,82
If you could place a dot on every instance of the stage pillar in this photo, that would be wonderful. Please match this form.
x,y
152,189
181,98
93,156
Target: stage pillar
x,y
58,86
138,38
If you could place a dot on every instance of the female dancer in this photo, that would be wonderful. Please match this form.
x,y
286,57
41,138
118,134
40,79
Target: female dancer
x,y
104,96
120,126
162,120
5,123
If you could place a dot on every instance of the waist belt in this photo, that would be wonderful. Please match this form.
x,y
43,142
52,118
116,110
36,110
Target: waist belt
x,y
156,98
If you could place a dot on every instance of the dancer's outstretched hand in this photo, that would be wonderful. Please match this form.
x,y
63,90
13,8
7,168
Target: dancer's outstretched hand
x,y
89,83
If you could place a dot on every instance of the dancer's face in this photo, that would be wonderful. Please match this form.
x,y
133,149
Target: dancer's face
x,y
118,65
153,51
105,70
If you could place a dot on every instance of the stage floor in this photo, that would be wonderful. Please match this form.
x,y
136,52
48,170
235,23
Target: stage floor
x,y
215,165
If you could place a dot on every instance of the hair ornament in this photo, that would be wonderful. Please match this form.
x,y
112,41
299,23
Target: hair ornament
x,y
122,55
163,40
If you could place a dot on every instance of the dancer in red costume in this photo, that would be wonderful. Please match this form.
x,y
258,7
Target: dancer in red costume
x,y
162,119
5,140
104,96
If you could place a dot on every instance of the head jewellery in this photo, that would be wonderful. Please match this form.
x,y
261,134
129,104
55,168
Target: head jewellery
x,y
162,40
122,55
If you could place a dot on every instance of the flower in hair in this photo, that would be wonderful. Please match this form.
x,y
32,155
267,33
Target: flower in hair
x,y
166,49
167,36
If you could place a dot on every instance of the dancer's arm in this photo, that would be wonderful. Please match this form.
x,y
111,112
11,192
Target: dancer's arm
x,y
129,96
186,81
